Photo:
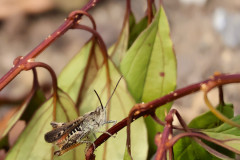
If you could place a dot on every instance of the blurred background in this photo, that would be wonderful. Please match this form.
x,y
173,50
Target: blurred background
x,y
205,34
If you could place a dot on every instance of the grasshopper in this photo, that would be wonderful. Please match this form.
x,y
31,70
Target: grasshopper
x,y
71,134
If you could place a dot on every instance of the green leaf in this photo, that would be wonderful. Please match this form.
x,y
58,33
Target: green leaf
x,y
222,136
4,142
226,132
118,108
126,155
37,99
226,128
187,148
150,69
28,107
150,66
136,29
209,120
31,144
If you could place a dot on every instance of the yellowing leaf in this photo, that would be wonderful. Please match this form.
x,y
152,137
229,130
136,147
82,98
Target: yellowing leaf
x,y
31,143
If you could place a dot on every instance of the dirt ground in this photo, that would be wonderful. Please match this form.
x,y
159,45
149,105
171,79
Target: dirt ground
x,y
199,48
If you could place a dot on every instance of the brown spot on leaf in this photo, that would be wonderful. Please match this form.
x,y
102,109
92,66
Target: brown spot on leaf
x,y
162,74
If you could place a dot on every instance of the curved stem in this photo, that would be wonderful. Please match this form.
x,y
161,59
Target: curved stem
x,y
81,12
80,93
97,35
135,109
221,97
31,65
217,113
149,11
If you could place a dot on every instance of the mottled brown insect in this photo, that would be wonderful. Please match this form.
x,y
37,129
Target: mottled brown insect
x,y
71,134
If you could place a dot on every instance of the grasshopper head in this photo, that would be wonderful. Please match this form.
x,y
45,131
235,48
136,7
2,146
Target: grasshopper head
x,y
100,114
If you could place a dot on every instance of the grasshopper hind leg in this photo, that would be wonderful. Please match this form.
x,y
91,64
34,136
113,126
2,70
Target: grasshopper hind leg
x,y
88,143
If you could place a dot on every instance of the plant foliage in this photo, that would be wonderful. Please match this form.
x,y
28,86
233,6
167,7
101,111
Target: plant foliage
x,y
144,56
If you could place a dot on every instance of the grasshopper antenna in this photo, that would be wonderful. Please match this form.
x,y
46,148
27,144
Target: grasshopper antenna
x,y
110,96
113,91
98,98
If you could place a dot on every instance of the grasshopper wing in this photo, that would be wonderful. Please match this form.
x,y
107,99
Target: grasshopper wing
x,y
62,130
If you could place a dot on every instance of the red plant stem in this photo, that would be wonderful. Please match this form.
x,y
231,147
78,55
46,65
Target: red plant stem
x,y
149,11
102,45
160,2
97,35
221,97
163,123
18,101
69,22
79,97
148,108
32,65
128,5
167,133
156,119
80,12
171,154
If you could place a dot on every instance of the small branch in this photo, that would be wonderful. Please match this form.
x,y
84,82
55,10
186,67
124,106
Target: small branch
x,y
86,71
18,101
165,136
31,65
97,35
136,109
156,119
161,2
215,111
102,45
221,97
80,12
150,11
128,6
